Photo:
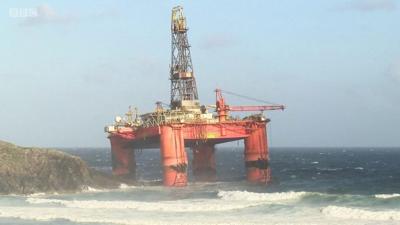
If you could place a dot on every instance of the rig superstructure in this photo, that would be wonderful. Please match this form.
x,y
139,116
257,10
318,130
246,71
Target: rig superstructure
x,y
186,123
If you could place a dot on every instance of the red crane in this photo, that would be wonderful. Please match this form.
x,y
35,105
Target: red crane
x,y
223,109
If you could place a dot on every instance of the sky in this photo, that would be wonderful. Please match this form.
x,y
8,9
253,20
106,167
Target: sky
x,y
69,67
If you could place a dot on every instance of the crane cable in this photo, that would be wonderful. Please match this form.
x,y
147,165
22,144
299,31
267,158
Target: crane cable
x,y
248,97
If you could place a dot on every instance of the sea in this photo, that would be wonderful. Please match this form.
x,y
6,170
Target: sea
x,y
310,186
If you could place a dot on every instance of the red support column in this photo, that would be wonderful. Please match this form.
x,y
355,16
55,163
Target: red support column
x,y
204,168
123,158
173,155
256,155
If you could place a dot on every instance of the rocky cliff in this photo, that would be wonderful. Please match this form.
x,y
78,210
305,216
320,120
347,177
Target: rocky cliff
x,y
29,170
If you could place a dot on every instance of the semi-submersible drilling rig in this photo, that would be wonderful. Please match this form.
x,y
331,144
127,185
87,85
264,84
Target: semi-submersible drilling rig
x,y
185,123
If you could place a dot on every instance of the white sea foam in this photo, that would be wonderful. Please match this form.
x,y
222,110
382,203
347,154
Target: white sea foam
x,y
91,189
265,197
229,200
329,169
130,217
386,196
43,201
74,215
125,186
165,206
39,194
355,213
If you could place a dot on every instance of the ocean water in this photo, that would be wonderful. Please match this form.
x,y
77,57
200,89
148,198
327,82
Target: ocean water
x,y
310,186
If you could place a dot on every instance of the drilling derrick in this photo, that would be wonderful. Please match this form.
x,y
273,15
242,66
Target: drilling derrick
x,y
183,84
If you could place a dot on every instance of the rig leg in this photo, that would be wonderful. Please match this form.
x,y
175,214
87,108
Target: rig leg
x,y
173,155
204,168
123,158
256,155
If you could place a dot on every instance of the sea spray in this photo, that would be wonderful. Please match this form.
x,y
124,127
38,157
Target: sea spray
x,y
268,197
358,213
164,206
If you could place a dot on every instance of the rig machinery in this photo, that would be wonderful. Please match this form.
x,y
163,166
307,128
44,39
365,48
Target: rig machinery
x,y
186,123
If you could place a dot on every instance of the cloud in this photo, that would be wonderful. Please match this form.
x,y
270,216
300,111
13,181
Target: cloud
x,y
217,41
46,15
368,5
104,13
109,72
394,71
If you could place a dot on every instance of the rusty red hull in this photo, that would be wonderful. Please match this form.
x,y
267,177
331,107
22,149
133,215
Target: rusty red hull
x,y
201,138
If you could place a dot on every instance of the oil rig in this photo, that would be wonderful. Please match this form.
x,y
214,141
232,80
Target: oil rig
x,y
184,123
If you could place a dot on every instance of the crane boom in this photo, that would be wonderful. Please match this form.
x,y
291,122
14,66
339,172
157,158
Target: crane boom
x,y
223,109
255,108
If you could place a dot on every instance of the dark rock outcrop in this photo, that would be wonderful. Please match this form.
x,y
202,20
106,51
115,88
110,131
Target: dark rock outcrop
x,y
29,170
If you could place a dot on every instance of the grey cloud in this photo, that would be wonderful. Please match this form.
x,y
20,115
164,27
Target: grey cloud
x,y
217,41
107,73
394,71
102,73
104,13
368,5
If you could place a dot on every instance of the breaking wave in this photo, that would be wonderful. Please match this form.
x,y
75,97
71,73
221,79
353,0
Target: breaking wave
x,y
38,194
165,206
125,186
387,196
329,169
228,200
251,196
355,213
92,189
73,215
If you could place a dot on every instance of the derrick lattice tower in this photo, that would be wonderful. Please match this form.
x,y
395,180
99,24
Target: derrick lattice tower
x,y
183,84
